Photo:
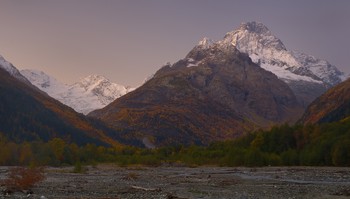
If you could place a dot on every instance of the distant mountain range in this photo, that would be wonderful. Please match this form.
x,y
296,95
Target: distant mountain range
x,y
220,90
90,93
306,75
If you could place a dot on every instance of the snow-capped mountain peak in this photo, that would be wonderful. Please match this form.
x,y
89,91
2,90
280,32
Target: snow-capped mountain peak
x,y
306,75
104,89
270,53
259,43
90,93
257,35
255,27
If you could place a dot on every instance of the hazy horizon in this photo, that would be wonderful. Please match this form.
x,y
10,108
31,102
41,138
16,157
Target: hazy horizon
x,y
126,41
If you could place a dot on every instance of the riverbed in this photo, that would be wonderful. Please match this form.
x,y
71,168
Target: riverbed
x,y
176,182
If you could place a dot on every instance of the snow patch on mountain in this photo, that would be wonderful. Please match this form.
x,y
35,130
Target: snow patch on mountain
x,y
90,93
287,75
192,63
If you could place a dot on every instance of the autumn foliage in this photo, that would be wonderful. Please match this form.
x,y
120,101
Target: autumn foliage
x,y
310,145
21,178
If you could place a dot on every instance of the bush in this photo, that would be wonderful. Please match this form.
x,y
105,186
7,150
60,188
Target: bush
x,y
78,168
21,179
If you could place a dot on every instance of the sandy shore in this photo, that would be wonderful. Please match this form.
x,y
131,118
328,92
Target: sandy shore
x,y
103,182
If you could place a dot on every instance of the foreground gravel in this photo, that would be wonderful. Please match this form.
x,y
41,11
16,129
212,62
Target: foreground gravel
x,y
113,182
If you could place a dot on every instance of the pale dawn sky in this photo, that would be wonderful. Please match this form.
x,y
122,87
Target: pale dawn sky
x,y
128,40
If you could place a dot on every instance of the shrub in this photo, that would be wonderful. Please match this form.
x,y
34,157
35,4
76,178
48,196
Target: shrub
x,y
21,178
78,168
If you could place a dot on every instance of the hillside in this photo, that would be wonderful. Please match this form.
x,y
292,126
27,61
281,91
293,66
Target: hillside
x,y
332,106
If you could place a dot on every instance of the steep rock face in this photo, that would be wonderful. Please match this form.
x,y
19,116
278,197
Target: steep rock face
x,y
214,93
306,75
28,114
90,93
332,106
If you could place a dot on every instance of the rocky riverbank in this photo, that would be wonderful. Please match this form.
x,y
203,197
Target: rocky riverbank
x,y
113,182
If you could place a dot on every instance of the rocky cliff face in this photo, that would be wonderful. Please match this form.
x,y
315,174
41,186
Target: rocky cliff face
x,y
214,93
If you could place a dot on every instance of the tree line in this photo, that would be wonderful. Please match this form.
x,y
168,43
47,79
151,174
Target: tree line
x,y
298,145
